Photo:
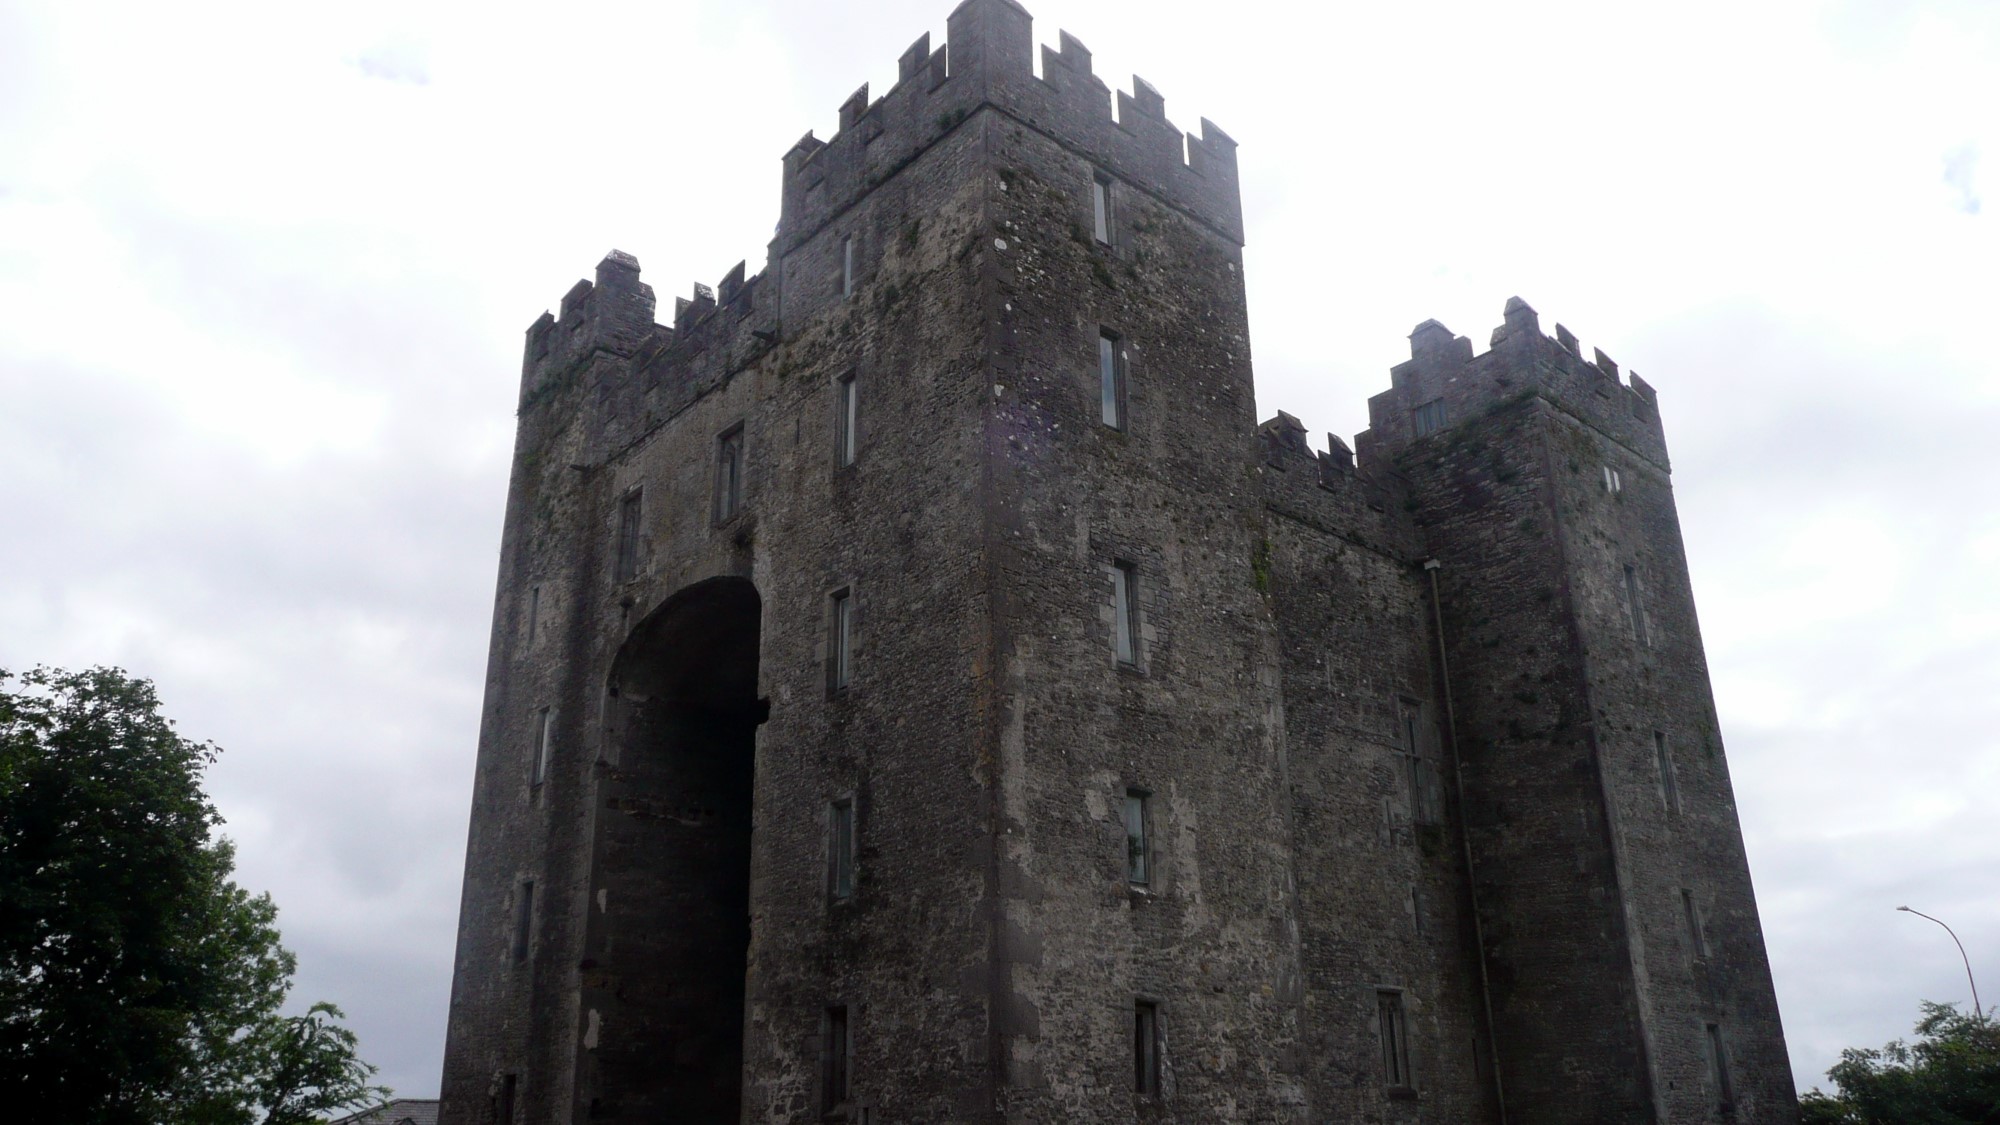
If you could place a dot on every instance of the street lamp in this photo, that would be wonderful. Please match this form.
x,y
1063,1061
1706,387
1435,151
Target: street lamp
x,y
1977,1011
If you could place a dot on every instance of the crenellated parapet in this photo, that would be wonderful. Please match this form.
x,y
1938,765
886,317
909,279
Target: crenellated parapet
x,y
987,63
613,314
1444,383
645,371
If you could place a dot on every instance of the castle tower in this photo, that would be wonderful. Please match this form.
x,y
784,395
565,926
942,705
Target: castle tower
x,y
920,691
1625,965
880,717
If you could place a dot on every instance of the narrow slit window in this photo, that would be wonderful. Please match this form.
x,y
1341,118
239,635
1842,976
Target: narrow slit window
x,y
1663,760
847,266
1111,378
1146,1048
1138,857
1633,609
840,641
1100,207
534,611
1430,417
846,432
1697,942
1718,1068
524,919
504,1112
836,1065
840,850
629,511
1426,784
1125,613
729,474
544,747
1612,481
1394,1032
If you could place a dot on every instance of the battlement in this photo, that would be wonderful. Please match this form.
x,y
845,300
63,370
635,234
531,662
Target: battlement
x,y
655,368
987,64
1444,383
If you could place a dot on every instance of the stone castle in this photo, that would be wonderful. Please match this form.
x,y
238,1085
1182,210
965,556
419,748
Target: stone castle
x,y
921,690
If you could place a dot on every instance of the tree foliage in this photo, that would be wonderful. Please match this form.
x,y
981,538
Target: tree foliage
x,y
1949,1076
138,983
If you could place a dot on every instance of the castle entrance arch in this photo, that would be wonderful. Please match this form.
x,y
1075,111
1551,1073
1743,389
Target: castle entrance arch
x,y
670,870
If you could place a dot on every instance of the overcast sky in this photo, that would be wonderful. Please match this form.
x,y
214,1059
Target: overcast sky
x,y
265,270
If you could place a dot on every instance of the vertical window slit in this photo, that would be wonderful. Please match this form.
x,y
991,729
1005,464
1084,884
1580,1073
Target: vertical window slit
x,y
1146,1048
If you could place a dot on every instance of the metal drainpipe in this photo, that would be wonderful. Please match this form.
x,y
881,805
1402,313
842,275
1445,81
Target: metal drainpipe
x,y
1431,567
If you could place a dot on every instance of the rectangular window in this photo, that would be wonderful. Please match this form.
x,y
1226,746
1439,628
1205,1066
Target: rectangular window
x,y
1146,1048
534,611
1138,857
840,850
1395,1040
1111,378
1718,1069
1426,785
1663,761
1430,417
544,747
847,266
845,433
524,919
1633,610
1125,613
1100,207
629,510
504,1112
840,641
836,1049
1612,481
729,473
1697,943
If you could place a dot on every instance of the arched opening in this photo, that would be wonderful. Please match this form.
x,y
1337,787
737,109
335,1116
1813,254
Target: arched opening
x,y
671,870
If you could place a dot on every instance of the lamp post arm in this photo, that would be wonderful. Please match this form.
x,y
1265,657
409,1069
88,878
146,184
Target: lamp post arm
x,y
1977,1011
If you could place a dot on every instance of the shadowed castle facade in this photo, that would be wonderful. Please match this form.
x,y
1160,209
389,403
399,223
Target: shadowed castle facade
x,y
921,691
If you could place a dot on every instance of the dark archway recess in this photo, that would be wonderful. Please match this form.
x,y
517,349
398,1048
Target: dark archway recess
x,y
671,871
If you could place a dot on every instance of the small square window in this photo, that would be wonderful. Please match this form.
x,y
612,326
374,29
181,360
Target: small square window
x,y
1430,417
840,849
729,473
1125,613
840,641
846,432
1111,378
544,746
1394,1032
1138,853
630,509
1146,1048
1100,208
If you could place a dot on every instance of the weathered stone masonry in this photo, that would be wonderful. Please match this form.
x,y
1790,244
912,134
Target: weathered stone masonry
x,y
1404,802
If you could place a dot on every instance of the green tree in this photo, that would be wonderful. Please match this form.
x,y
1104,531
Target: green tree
x,y
139,985
1949,1076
